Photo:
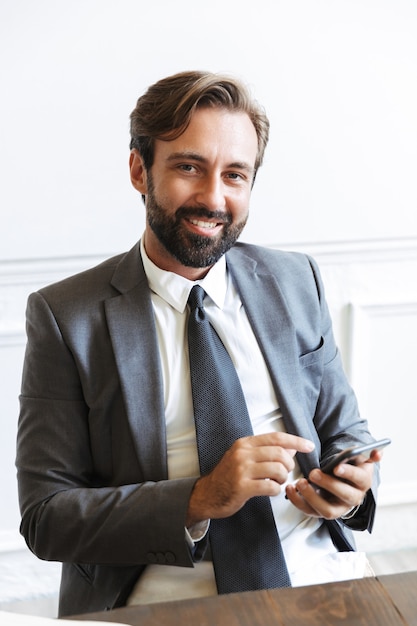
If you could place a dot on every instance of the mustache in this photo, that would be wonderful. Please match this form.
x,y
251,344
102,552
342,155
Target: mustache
x,y
201,212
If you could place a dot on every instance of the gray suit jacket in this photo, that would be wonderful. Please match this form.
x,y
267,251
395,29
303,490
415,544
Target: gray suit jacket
x,y
91,457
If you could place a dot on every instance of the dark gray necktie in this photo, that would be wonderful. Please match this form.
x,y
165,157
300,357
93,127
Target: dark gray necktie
x,y
246,549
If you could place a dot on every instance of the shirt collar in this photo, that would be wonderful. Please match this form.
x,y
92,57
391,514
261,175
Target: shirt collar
x,y
175,289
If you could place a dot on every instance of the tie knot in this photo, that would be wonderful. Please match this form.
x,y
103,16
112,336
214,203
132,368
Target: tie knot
x,y
196,297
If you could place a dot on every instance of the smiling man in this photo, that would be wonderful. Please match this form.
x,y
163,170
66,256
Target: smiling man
x,y
120,477
198,190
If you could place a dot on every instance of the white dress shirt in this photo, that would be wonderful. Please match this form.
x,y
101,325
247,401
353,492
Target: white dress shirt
x,y
309,552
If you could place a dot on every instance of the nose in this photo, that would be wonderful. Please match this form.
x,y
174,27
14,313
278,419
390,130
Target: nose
x,y
211,193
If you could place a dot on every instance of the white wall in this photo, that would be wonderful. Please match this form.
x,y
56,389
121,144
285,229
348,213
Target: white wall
x,y
338,79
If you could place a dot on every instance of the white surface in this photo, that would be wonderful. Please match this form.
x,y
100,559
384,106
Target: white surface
x,y
13,619
338,81
28,585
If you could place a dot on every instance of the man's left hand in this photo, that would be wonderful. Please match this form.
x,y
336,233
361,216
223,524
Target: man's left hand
x,y
333,496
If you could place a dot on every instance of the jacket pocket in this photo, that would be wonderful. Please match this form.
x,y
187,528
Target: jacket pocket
x,y
313,358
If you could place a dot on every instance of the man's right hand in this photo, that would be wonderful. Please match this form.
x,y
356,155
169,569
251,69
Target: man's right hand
x,y
253,466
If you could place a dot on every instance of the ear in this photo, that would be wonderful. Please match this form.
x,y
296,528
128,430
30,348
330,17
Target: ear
x,y
138,172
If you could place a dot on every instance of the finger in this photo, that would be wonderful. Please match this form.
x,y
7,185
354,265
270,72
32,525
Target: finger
x,y
376,456
334,490
273,454
292,443
360,476
277,471
267,487
296,498
323,503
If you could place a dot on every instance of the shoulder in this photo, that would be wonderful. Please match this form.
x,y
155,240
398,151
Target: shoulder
x,y
273,260
94,276
295,274
85,292
100,281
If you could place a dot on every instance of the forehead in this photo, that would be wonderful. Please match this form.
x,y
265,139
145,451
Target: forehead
x,y
215,134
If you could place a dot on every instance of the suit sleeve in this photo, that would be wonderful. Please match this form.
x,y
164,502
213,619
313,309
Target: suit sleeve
x,y
75,506
337,417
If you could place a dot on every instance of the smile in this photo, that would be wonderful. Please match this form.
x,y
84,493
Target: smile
x,y
203,224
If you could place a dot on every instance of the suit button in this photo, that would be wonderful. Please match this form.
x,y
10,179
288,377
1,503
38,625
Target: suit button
x,y
170,558
160,558
151,557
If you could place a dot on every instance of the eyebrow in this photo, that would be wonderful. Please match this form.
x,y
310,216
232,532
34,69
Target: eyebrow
x,y
195,156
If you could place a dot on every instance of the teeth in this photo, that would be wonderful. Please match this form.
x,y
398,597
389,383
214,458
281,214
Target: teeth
x,y
202,224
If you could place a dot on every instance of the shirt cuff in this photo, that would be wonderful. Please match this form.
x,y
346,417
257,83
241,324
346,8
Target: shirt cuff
x,y
351,513
197,532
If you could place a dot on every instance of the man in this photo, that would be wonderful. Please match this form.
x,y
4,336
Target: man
x,y
108,467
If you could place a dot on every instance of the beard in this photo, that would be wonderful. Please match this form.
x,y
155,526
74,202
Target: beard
x,y
190,249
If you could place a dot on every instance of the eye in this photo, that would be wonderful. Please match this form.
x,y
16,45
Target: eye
x,y
236,177
186,167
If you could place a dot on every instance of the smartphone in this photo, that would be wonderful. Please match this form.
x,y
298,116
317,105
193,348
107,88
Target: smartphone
x,y
355,455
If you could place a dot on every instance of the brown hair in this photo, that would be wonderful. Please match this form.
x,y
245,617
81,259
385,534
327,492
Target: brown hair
x,y
165,110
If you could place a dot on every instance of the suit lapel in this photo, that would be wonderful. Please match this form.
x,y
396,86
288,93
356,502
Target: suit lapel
x,y
133,335
273,327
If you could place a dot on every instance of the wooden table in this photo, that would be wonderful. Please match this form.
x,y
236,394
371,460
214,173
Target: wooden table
x,y
382,601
